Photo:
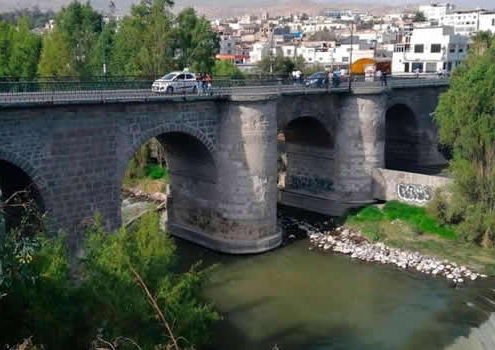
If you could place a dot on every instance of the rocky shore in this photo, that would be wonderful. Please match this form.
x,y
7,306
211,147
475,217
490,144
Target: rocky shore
x,y
347,241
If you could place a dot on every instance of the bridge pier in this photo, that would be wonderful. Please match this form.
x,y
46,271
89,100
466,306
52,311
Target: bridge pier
x,y
360,146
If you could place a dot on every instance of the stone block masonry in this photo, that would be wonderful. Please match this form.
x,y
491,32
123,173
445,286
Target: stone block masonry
x,y
222,154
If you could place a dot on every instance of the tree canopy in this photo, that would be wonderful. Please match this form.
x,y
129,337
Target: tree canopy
x,y
466,120
150,41
19,49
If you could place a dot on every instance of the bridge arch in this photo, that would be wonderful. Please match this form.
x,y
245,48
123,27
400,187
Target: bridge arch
x,y
193,177
402,138
16,175
308,147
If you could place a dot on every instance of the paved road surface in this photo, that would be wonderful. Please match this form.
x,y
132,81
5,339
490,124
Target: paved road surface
x,y
61,97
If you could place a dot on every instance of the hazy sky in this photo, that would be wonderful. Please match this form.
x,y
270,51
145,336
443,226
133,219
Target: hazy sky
x,y
103,4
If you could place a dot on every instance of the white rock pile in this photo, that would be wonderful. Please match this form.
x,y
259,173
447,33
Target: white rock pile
x,y
350,242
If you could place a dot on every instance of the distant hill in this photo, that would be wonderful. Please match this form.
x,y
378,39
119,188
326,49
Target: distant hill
x,y
225,8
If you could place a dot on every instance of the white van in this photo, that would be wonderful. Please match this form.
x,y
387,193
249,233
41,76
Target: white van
x,y
176,82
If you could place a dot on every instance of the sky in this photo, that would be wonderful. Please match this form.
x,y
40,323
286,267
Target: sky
x,y
124,4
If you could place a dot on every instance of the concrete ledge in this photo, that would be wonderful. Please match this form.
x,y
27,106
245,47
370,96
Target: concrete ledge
x,y
407,187
308,202
227,246
253,98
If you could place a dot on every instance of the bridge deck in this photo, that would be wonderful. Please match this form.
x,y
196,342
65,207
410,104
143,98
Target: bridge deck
x,y
58,97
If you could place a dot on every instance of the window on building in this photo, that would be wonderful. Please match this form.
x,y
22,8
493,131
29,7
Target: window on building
x,y
451,48
461,49
449,66
345,59
431,67
419,48
406,67
417,65
436,48
493,21
289,52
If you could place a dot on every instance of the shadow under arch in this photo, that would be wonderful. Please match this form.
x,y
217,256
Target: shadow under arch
x,y
306,164
23,190
402,144
193,178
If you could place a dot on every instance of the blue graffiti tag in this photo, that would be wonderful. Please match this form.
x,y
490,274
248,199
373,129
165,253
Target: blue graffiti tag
x,y
312,184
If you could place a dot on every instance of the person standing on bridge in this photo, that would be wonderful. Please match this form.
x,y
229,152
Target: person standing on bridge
x,y
378,75
384,79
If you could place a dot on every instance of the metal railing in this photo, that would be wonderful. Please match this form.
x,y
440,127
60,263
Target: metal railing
x,y
139,88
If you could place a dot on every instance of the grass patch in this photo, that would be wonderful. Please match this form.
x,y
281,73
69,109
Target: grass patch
x,y
410,228
418,217
157,172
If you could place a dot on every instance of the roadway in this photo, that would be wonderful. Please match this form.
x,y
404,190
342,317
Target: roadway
x,y
143,95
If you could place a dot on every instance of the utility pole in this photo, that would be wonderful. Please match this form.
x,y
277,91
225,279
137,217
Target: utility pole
x,y
350,58
271,49
103,39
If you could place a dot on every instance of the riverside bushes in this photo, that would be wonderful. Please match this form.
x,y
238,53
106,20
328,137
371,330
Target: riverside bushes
x,y
106,301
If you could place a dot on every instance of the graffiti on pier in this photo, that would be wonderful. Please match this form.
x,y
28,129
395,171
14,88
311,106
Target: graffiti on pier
x,y
413,193
312,184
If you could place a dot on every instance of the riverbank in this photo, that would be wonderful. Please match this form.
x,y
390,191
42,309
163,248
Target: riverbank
x,y
410,228
348,241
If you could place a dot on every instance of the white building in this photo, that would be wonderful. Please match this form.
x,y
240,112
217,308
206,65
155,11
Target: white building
x,y
436,12
260,49
430,50
487,22
464,22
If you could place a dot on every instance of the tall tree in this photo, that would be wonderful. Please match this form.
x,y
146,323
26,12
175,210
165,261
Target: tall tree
x,y
26,48
143,44
6,33
195,42
102,50
466,119
224,68
278,64
56,59
80,26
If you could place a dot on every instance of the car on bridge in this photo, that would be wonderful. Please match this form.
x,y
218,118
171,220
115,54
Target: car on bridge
x,y
316,80
176,82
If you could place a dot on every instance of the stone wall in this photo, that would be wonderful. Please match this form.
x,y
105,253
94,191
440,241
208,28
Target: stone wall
x,y
411,188
223,157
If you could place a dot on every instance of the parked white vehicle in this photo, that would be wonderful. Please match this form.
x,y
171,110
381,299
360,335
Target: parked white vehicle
x,y
176,82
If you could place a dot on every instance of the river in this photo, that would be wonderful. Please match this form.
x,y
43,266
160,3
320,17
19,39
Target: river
x,y
302,299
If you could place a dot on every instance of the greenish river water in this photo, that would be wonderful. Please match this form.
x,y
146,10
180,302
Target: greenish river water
x,y
301,299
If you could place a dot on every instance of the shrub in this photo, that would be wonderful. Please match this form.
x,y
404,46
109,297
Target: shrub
x,y
106,300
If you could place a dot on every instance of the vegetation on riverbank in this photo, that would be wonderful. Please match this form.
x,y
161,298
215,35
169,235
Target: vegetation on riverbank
x,y
147,170
465,117
412,228
127,286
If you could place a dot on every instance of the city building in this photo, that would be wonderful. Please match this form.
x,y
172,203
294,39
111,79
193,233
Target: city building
x,y
430,50
436,12
487,22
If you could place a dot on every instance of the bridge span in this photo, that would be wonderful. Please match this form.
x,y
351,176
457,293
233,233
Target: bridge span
x,y
74,148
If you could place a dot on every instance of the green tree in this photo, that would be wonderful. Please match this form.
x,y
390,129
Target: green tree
x,y
224,68
6,39
143,44
466,121
419,17
56,59
195,43
102,50
26,48
278,64
80,26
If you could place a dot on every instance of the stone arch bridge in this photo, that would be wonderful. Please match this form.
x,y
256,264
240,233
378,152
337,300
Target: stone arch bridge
x,y
222,155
